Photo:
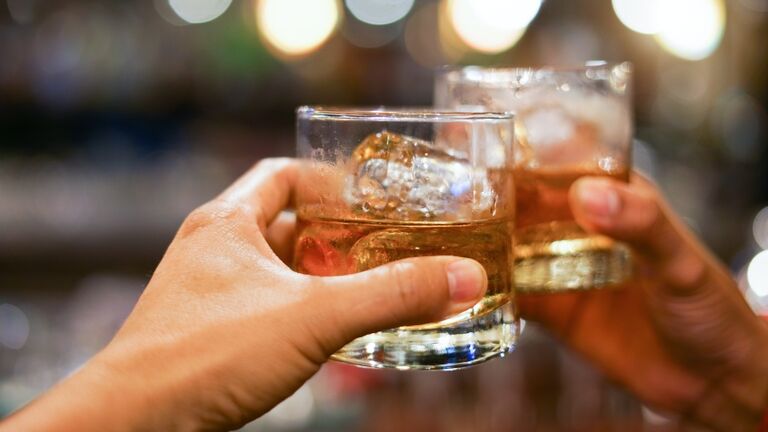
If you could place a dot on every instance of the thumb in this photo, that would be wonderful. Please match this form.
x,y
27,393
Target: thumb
x,y
628,212
636,214
410,291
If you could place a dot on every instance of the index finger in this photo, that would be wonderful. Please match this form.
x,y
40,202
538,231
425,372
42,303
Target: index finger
x,y
267,188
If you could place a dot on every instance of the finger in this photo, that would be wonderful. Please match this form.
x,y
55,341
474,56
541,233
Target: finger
x,y
280,234
267,188
629,212
410,291
636,214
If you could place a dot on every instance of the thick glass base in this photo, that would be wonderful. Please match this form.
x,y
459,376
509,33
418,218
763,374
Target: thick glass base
x,y
447,347
560,256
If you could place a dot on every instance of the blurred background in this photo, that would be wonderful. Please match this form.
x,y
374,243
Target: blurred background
x,y
117,118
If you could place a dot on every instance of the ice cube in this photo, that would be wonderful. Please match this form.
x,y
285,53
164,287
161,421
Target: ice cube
x,y
565,124
555,137
403,178
549,126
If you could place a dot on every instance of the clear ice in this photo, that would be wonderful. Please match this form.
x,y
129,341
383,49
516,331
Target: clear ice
x,y
403,178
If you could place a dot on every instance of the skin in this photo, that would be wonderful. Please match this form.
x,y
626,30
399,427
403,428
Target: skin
x,y
679,335
225,330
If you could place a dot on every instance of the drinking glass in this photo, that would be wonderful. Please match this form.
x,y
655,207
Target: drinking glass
x,y
381,185
569,123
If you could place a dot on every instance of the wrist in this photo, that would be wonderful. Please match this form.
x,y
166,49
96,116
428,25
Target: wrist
x,y
93,398
140,393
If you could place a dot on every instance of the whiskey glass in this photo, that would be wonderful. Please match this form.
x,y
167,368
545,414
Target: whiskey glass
x,y
379,185
570,122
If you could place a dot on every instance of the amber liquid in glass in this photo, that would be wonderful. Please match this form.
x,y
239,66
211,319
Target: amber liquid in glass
x,y
328,247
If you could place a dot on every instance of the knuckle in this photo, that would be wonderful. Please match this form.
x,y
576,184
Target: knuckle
x,y
213,213
686,273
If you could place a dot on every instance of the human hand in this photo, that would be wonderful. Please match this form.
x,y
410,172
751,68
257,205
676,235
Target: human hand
x,y
225,330
679,334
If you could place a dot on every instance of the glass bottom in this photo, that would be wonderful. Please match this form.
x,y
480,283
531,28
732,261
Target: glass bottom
x,y
560,256
447,347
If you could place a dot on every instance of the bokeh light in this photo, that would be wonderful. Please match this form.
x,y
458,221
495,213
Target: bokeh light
x,y
757,274
491,26
14,327
199,11
691,29
760,228
379,12
451,44
641,16
297,27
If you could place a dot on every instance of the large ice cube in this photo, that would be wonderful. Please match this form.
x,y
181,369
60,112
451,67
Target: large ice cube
x,y
549,135
404,178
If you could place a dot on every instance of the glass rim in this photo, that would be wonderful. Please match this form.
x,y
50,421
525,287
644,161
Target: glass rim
x,y
399,114
587,65
513,73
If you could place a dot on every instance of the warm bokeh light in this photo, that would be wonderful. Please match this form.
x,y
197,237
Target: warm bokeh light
x,y
691,29
297,27
641,16
491,26
199,11
760,228
757,274
379,12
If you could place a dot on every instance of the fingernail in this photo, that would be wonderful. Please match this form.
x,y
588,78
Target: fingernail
x,y
598,198
465,280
